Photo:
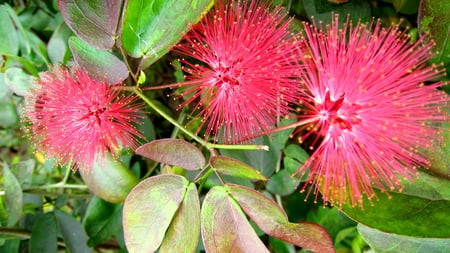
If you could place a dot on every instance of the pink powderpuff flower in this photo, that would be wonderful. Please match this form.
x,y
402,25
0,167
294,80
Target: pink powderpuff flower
x,y
366,111
241,80
73,117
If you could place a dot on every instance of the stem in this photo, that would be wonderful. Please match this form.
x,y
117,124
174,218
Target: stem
x,y
202,142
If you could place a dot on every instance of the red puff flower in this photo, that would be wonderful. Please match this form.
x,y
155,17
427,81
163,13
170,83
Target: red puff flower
x,y
367,113
74,117
242,79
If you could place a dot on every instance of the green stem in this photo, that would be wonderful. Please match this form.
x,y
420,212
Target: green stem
x,y
202,142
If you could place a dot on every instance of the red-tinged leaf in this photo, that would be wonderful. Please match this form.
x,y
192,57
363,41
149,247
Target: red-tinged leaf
x,y
185,222
101,65
109,179
173,152
273,220
149,210
233,167
95,21
224,226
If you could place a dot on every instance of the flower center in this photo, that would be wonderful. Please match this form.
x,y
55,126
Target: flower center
x,y
333,116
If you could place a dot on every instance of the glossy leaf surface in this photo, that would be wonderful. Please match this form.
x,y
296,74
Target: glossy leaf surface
x,y
101,65
421,210
273,220
233,167
109,179
225,227
184,230
149,210
151,28
95,22
392,243
173,152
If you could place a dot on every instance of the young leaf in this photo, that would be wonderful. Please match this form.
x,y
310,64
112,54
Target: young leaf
x,y
44,234
73,233
13,196
149,210
95,22
173,152
151,28
102,220
101,65
18,81
109,179
224,226
392,243
182,234
57,47
233,167
273,220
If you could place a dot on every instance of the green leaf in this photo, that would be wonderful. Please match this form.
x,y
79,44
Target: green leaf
x,y
273,220
391,243
18,81
322,10
44,234
109,179
185,222
280,246
101,65
440,162
406,6
149,210
173,152
282,183
13,196
428,187
101,221
151,28
95,21
9,44
57,47
296,152
434,22
224,226
73,233
404,215
233,167
8,113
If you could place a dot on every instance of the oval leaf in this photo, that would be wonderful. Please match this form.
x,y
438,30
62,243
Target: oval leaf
x,y
151,28
149,210
404,215
109,179
18,81
392,243
95,22
101,65
173,152
185,222
273,220
233,167
225,227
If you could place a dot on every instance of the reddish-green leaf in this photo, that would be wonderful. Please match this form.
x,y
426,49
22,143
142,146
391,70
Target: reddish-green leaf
x,y
151,28
225,227
186,222
173,152
149,209
273,220
233,167
95,21
109,179
101,65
